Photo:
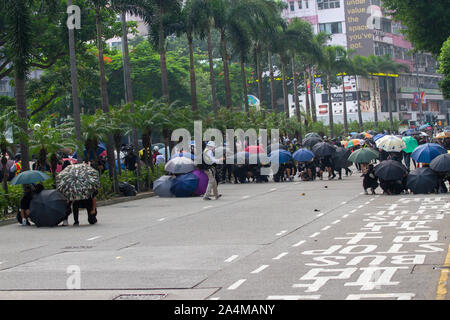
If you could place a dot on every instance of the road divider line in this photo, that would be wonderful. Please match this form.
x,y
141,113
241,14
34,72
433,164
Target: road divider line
x,y
281,232
299,243
214,298
354,210
326,228
245,197
443,281
237,284
359,207
345,216
231,258
289,297
320,214
273,189
261,268
344,202
314,235
336,221
281,255
162,219
93,238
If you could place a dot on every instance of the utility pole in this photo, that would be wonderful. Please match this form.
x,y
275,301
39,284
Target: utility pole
x,y
418,90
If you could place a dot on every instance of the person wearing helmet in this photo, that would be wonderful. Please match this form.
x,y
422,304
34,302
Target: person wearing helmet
x,y
155,154
209,168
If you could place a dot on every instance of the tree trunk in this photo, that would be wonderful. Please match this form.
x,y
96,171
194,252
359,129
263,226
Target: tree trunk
x,y
54,165
165,133
5,178
21,106
211,74
285,92
360,122
117,139
146,142
105,102
375,111
308,109
162,54
244,84
391,118
272,84
345,107
129,98
74,80
296,101
330,107
194,100
312,92
226,71
259,76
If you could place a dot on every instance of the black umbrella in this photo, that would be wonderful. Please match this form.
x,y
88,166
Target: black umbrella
x,y
441,163
311,141
340,157
48,208
323,149
390,170
422,180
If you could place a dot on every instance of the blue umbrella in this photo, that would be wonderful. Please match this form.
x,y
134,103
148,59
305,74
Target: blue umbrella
x,y
378,136
184,185
303,155
425,153
424,126
354,133
183,154
283,156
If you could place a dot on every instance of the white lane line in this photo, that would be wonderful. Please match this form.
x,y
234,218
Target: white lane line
x,y
372,199
236,285
314,235
214,298
326,228
320,214
288,297
337,221
345,216
367,202
354,210
359,207
281,255
261,268
162,219
245,197
207,207
281,232
93,238
273,189
344,202
299,243
231,258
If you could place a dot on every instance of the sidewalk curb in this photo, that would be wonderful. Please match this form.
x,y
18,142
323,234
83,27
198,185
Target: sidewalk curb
x,y
103,203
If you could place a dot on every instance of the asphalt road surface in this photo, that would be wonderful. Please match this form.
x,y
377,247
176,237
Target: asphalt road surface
x,y
293,240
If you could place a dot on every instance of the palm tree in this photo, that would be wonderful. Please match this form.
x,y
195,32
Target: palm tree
x,y
357,66
119,127
330,67
94,129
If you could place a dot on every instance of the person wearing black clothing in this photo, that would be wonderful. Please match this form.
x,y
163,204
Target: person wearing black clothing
x,y
25,205
370,180
327,165
90,205
131,160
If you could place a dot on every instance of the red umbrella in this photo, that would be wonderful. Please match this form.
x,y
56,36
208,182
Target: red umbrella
x,y
254,149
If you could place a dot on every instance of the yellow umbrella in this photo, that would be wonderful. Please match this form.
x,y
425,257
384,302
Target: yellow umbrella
x,y
443,135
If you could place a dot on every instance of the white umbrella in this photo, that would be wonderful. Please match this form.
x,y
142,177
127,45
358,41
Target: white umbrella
x,y
180,165
391,143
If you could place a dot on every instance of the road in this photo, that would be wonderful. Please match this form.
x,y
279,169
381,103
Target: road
x,y
294,240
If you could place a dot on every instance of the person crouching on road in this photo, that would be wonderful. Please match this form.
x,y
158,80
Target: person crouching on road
x,y
209,162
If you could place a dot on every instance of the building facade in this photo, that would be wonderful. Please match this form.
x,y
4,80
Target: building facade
x,y
363,26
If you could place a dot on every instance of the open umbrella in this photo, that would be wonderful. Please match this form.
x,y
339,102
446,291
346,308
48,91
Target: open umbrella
x,y
441,163
390,170
443,135
280,156
340,157
323,149
183,154
78,181
48,208
411,132
378,136
303,155
162,186
311,141
391,143
410,143
425,153
160,159
352,143
275,146
254,149
364,155
202,182
422,180
29,177
180,165
425,127
184,185
313,134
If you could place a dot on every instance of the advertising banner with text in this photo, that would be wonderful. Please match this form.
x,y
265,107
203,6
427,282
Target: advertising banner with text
x,y
360,18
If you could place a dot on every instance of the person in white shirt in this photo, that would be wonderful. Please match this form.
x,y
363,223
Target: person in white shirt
x,y
210,170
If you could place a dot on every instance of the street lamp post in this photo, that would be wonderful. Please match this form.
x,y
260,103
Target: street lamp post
x,y
418,90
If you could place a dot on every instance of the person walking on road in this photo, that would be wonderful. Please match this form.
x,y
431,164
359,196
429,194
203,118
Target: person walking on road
x,y
209,162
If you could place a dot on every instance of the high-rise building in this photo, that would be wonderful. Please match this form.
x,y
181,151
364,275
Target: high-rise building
x,y
362,25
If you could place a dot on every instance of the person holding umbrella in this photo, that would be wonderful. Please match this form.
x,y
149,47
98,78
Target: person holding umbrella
x,y
209,167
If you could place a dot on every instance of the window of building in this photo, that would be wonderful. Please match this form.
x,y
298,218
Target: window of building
x,y
292,6
299,4
328,4
376,2
382,49
386,25
3,86
331,28
306,4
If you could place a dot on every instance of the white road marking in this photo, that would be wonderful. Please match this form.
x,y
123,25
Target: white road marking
x,y
288,297
326,228
299,243
372,199
236,285
245,197
362,193
297,183
367,202
360,206
345,216
231,258
344,202
281,255
214,298
354,210
281,232
93,238
207,207
320,214
258,270
377,196
273,189
337,221
162,219
314,235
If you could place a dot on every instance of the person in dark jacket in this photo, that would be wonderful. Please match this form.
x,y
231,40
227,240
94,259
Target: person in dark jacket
x,y
370,180
90,205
